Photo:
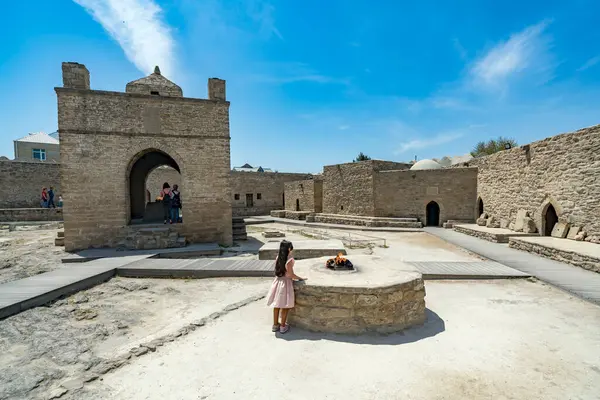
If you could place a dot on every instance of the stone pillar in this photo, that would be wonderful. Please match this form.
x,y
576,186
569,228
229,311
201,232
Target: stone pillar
x,y
216,89
75,76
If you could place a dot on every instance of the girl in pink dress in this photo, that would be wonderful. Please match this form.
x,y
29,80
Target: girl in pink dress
x,y
281,294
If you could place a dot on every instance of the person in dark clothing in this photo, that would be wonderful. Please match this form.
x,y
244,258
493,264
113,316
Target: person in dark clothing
x,y
51,198
175,204
165,194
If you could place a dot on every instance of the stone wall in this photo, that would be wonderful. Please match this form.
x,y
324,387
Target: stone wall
x,y
348,188
407,193
103,135
306,195
553,253
22,182
30,214
269,185
562,170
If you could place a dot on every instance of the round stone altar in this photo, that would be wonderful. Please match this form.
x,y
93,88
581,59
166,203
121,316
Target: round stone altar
x,y
380,295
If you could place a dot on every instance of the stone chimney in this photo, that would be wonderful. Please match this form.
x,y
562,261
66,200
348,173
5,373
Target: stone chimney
x,y
75,76
216,89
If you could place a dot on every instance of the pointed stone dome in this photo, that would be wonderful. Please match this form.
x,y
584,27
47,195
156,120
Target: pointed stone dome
x,y
154,84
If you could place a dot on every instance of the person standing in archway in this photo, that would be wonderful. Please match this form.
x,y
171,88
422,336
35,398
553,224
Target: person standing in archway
x,y
165,195
175,204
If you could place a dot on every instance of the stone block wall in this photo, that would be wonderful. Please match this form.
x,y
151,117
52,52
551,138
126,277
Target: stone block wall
x,y
269,185
104,133
562,170
306,195
30,214
348,188
407,193
22,182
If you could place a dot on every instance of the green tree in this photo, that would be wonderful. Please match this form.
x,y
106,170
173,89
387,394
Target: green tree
x,y
361,157
492,146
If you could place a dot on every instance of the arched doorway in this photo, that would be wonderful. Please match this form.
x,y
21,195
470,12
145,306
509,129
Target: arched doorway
x,y
297,204
479,207
432,214
145,163
550,219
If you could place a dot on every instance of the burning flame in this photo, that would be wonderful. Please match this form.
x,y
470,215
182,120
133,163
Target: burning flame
x,y
339,259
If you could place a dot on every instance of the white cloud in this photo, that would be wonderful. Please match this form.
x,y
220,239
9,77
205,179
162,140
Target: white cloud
x,y
138,28
589,63
441,138
262,13
462,52
525,50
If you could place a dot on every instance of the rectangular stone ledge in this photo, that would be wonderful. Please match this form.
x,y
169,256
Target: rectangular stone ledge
x,y
496,235
578,259
138,95
30,214
277,213
357,220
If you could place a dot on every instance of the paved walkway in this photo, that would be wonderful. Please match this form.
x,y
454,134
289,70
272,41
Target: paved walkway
x,y
265,220
580,282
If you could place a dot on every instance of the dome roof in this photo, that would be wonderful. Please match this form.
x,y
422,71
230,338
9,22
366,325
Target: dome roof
x,y
425,164
155,84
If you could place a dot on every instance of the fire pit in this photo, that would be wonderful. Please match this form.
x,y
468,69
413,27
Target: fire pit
x,y
371,294
339,263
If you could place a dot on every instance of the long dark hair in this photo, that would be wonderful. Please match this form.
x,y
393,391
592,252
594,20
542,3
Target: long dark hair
x,y
284,250
166,185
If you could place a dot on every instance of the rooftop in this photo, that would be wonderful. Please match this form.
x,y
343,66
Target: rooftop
x,y
38,137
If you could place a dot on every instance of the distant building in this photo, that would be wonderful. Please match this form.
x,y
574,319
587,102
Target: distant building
x,y
249,168
37,146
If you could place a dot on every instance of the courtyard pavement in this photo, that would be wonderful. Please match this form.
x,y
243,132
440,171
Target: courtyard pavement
x,y
581,282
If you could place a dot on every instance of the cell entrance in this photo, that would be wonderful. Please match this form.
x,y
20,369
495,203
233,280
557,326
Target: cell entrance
x,y
432,214
479,207
550,219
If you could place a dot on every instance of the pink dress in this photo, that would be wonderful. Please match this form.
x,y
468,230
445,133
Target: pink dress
x,y
281,294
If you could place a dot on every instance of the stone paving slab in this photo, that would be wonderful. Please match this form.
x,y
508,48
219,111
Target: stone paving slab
x,y
466,270
575,280
265,220
304,249
203,268
22,294
192,250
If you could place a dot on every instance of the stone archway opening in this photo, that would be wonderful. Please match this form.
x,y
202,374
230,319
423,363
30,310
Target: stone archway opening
x,y
479,207
151,169
297,204
432,214
550,219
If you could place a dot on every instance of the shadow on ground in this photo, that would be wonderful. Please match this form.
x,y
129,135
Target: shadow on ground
x,y
433,325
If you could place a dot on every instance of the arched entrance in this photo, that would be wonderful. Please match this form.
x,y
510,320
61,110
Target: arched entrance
x,y
146,162
550,219
297,204
479,207
432,214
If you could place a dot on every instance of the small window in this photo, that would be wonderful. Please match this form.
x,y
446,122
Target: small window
x,y
258,196
249,200
154,93
39,154
236,196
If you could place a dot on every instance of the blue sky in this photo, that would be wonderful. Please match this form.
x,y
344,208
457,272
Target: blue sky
x,y
314,83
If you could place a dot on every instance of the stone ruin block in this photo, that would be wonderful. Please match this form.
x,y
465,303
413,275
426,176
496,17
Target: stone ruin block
x,y
482,220
272,234
520,220
504,223
560,230
573,232
529,225
492,222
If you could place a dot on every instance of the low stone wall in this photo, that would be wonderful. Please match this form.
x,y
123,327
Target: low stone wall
x,y
489,236
358,310
30,214
579,260
297,215
368,221
277,213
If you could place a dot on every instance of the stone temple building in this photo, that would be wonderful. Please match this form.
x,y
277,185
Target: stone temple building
x,y
111,141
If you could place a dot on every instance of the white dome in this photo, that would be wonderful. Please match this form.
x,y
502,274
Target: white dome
x,y
425,164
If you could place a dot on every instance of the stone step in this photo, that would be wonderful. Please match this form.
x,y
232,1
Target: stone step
x,y
238,225
59,241
181,242
240,237
60,234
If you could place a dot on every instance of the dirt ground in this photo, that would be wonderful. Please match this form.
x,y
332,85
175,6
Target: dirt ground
x,y
28,251
46,351
510,339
